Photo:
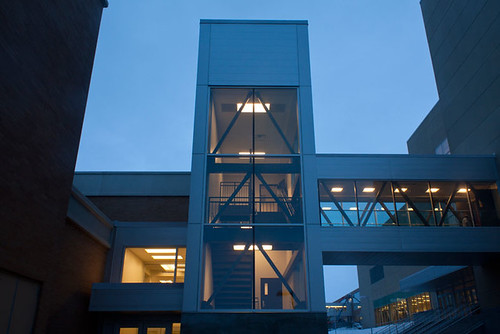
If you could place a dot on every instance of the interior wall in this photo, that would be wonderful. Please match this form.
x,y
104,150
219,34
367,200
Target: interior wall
x,y
133,268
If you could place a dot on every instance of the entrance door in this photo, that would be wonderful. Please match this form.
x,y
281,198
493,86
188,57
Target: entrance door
x,y
271,293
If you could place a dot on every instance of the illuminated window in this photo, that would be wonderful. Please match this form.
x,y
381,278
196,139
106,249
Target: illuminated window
x,y
156,330
154,265
176,328
129,330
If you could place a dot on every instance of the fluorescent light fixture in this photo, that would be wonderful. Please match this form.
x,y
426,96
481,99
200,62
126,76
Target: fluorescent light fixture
x,y
166,281
249,153
326,208
402,189
353,208
337,189
249,107
368,189
242,247
410,209
166,257
160,250
462,190
433,190
246,227
168,267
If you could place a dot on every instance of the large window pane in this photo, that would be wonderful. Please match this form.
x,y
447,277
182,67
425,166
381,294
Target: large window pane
x,y
260,121
413,203
276,129
244,190
338,203
485,203
227,268
231,120
253,268
279,268
451,206
154,265
375,203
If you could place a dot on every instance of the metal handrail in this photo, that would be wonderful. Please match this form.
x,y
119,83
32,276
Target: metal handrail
x,y
433,321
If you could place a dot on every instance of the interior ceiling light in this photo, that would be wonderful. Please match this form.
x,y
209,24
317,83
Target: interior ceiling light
x,y
353,208
246,227
337,189
368,189
168,267
462,190
166,281
249,107
242,247
160,250
166,257
255,153
326,208
433,190
402,189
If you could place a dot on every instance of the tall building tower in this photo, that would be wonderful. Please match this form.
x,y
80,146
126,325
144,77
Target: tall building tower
x,y
247,231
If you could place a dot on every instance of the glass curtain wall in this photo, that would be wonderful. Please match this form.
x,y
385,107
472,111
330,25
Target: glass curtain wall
x,y
253,240
407,203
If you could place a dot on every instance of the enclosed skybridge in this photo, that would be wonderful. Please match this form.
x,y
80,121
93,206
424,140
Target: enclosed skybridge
x,y
407,210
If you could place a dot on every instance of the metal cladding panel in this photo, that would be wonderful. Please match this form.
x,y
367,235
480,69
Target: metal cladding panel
x,y
411,239
407,167
136,297
253,54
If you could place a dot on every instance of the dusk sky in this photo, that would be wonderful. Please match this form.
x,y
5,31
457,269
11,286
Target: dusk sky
x,y
371,73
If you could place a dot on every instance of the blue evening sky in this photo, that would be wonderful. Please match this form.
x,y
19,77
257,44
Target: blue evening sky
x,y
371,72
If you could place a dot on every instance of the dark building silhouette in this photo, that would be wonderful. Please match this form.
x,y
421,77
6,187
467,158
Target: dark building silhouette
x,y
48,264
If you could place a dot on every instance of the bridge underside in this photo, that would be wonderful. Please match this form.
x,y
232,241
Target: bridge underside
x,y
409,246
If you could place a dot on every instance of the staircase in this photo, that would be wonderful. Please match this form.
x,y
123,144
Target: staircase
x,y
232,277
434,321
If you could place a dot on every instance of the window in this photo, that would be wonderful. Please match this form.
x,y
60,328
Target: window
x,y
154,265
258,268
407,203
254,190
253,121
443,147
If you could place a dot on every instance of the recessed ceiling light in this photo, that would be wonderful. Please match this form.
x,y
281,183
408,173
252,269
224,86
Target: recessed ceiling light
x,y
249,107
166,257
433,190
168,267
160,250
255,153
166,281
368,189
242,247
337,189
402,189
462,190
